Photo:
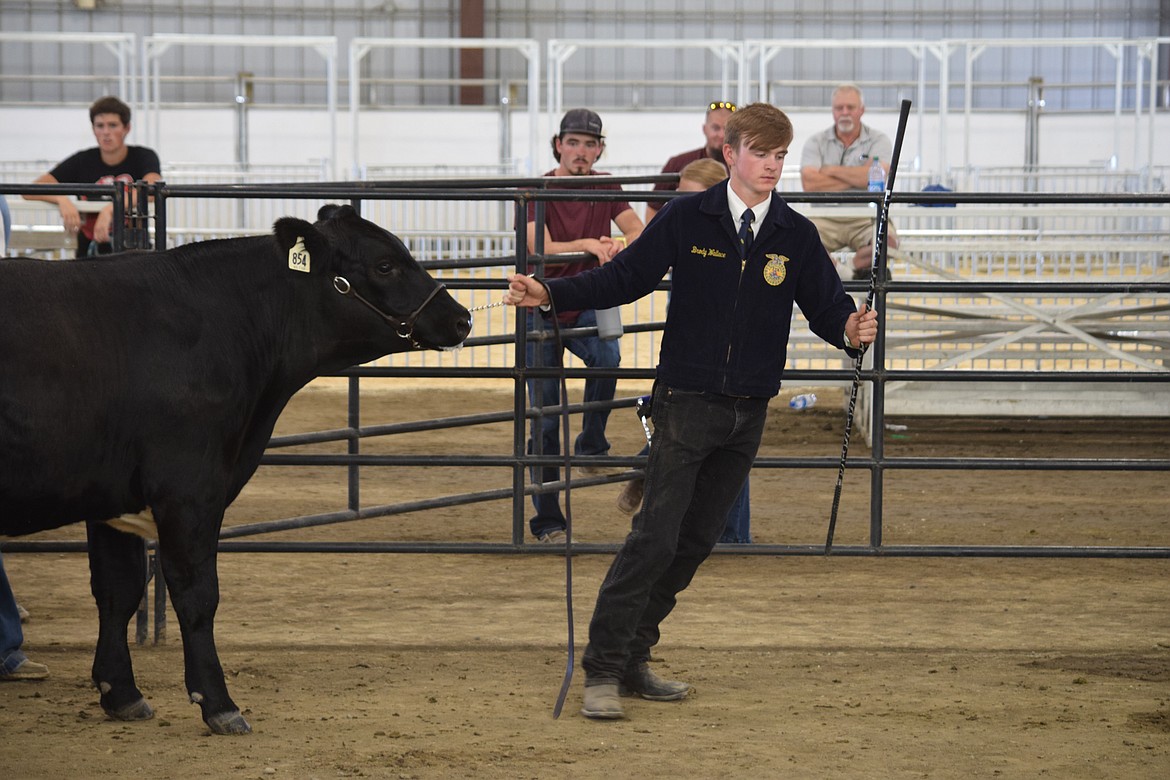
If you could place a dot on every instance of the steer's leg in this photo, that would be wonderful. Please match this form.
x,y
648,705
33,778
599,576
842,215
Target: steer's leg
x,y
117,566
188,541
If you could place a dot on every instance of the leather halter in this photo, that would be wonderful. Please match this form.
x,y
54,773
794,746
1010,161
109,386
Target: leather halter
x,y
404,328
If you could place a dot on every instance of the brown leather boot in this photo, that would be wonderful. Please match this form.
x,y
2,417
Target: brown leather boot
x,y
642,681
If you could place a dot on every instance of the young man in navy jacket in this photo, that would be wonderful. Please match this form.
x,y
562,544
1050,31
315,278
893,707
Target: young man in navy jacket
x,y
721,360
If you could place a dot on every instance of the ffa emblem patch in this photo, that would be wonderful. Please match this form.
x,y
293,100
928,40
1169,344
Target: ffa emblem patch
x,y
775,271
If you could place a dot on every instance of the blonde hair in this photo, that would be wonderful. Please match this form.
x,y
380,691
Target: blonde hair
x,y
705,172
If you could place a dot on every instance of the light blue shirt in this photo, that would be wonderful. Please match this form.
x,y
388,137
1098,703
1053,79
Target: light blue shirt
x,y
6,218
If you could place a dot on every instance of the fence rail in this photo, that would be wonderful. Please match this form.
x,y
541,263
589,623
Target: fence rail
x,y
1138,302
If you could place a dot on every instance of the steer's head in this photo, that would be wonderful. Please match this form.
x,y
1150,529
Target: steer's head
x,y
371,272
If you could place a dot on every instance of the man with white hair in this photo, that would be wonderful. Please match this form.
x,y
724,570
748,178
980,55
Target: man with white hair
x,y
838,160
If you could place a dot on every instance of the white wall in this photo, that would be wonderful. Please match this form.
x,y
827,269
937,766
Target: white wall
x,y
454,138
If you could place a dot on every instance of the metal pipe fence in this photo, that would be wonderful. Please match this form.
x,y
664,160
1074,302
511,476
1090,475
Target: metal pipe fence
x,y
517,194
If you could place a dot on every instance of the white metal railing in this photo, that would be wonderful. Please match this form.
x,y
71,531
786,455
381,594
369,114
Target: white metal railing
x,y
732,57
976,178
1041,243
155,48
37,230
24,171
923,54
1057,179
750,67
359,48
408,171
123,46
1008,332
204,218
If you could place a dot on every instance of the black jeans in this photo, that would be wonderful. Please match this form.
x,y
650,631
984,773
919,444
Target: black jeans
x,y
704,445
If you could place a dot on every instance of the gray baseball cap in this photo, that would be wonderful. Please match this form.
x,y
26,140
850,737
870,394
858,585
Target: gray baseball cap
x,y
581,120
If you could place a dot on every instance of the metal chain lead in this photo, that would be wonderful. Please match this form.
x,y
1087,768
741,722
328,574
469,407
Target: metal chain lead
x,y
501,302
487,306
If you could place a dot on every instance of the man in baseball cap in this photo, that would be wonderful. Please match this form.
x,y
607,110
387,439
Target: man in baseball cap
x,y
581,120
575,227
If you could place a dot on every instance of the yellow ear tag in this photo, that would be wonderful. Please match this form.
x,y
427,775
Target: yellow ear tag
x,y
298,256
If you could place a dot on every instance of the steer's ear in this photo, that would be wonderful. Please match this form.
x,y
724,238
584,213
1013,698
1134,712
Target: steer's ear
x,y
334,211
306,250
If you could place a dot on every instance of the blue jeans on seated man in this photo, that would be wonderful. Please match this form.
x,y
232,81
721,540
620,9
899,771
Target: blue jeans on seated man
x,y
11,635
546,393
739,519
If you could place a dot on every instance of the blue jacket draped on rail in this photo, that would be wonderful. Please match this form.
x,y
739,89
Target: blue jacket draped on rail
x,y
728,322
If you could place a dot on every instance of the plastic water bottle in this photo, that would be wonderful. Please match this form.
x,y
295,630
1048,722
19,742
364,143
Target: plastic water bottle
x,y
877,177
803,401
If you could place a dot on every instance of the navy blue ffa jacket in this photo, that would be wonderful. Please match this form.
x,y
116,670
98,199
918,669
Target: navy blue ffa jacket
x,y
728,322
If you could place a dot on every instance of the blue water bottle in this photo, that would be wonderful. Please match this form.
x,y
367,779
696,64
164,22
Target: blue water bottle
x,y
877,177
802,401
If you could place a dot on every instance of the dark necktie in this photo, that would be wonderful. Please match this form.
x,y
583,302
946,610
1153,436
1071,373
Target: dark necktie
x,y
745,232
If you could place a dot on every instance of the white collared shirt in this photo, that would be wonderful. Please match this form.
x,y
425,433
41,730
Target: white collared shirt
x,y
737,206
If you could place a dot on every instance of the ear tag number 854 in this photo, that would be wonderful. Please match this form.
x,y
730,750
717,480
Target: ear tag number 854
x,y
298,256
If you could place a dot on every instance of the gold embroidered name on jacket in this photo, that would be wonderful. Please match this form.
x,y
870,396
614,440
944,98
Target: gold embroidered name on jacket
x,y
705,252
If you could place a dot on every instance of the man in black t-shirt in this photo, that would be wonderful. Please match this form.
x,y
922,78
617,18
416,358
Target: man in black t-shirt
x,y
112,160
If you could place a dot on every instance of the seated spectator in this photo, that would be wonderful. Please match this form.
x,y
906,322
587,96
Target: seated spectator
x,y
838,160
718,112
574,226
112,160
14,664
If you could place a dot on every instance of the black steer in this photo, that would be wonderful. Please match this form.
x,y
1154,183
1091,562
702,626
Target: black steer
x,y
147,385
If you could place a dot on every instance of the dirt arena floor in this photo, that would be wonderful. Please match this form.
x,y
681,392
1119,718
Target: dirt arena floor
x,y
449,665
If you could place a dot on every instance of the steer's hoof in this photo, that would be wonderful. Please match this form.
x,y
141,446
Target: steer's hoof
x,y
229,723
138,710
